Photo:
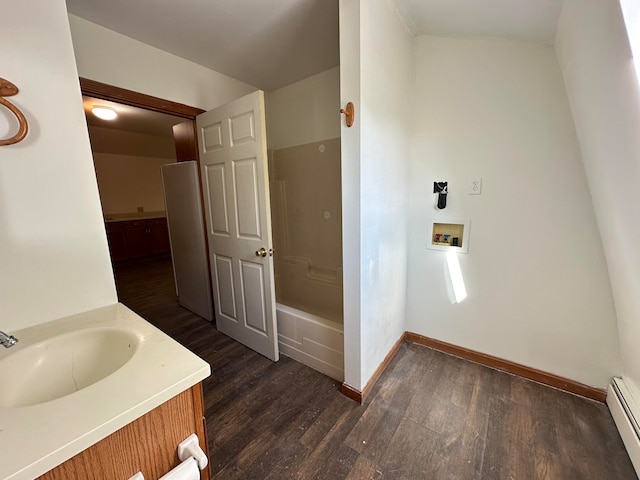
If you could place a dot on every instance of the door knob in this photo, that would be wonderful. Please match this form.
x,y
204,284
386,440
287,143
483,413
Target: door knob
x,y
263,252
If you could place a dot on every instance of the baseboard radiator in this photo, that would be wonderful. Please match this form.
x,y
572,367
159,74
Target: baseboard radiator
x,y
626,414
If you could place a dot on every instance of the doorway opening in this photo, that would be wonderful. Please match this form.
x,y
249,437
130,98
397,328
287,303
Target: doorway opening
x,y
128,154
309,331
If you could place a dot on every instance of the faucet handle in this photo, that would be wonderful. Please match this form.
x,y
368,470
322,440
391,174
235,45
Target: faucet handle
x,y
7,340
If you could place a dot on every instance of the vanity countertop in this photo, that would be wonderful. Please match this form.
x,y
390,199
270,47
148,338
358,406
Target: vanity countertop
x,y
36,438
123,217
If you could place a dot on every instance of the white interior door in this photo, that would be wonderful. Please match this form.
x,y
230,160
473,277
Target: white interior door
x,y
233,155
186,233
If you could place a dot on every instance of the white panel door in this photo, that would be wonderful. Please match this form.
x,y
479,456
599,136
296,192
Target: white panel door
x,y
233,155
186,233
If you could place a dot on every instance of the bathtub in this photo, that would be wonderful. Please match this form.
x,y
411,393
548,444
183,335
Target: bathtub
x,y
312,340
306,214
304,287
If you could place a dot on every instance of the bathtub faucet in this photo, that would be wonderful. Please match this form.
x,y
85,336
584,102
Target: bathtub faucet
x,y
7,340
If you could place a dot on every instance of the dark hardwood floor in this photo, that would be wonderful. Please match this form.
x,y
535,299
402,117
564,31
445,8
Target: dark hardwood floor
x,y
430,416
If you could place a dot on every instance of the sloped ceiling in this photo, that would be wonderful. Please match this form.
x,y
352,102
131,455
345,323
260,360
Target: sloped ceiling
x,y
525,20
273,43
267,44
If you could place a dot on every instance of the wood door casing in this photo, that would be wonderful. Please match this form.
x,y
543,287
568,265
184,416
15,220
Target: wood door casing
x,y
184,137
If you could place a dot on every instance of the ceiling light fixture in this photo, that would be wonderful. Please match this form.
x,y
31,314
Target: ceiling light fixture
x,y
105,113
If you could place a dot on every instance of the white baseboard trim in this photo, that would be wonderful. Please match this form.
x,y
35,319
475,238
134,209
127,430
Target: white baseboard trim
x,y
623,410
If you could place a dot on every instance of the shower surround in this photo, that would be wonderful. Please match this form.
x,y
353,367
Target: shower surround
x,y
306,210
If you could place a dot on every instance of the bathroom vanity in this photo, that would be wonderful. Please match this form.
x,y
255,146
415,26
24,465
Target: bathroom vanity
x,y
98,395
132,238
146,445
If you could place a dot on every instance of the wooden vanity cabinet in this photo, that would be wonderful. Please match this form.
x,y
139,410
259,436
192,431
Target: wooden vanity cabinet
x,y
136,235
158,236
117,242
148,444
131,239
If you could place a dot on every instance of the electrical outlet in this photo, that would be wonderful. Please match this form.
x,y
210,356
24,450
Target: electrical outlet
x,y
475,187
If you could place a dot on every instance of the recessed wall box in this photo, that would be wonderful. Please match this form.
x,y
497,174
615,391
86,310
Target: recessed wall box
x,y
449,235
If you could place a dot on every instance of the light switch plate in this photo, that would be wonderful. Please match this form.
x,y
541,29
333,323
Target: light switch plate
x,y
475,186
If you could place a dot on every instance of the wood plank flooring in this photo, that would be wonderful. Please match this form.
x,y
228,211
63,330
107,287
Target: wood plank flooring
x,y
430,416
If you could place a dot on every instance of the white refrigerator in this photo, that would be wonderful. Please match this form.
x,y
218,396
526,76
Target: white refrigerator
x,y
187,237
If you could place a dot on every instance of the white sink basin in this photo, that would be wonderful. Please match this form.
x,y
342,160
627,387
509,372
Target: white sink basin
x,y
71,382
63,364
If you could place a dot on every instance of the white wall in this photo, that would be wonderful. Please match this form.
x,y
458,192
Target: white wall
x,y
304,112
386,93
595,58
378,79
127,182
122,142
53,250
127,167
350,164
114,59
538,291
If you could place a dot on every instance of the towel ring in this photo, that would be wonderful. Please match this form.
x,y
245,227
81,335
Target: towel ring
x,y
8,89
